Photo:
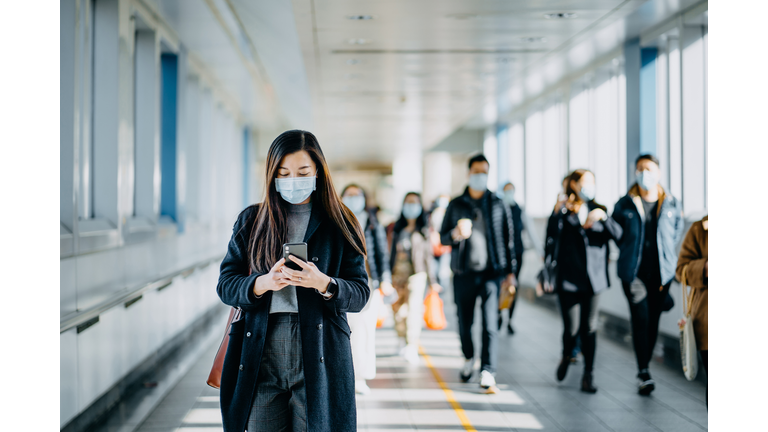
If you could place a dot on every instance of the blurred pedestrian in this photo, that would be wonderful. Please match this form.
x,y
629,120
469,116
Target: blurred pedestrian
x,y
411,273
577,239
522,223
363,323
277,374
478,226
694,261
652,220
441,252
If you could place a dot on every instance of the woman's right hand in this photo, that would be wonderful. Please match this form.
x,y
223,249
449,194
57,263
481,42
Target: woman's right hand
x,y
272,281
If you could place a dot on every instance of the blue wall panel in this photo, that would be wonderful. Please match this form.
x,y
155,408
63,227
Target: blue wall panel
x,y
168,101
648,100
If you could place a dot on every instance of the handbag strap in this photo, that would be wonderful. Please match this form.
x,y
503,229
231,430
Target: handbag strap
x,y
687,296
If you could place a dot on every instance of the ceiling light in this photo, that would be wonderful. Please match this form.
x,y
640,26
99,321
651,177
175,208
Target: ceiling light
x,y
360,17
532,39
560,15
462,16
358,41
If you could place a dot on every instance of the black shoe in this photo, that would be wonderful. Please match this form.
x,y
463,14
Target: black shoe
x,y
645,384
510,330
499,323
563,368
586,383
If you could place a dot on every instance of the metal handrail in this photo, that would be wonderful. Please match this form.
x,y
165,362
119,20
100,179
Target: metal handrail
x,y
72,321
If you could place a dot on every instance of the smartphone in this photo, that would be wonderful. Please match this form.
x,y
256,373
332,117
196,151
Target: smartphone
x,y
296,249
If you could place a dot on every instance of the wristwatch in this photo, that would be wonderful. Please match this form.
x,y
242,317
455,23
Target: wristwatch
x,y
328,294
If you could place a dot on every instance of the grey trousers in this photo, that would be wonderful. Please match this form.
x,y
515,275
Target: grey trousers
x,y
280,403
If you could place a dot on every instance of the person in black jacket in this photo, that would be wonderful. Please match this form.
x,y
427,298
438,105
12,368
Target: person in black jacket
x,y
363,324
578,232
288,364
478,226
653,227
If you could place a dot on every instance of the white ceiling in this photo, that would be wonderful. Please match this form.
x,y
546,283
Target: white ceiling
x,y
412,75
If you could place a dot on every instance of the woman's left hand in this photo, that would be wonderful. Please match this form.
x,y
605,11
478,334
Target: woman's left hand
x,y
436,288
594,216
308,277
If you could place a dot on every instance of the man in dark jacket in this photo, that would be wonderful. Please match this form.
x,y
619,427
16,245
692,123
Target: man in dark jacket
x,y
479,228
653,226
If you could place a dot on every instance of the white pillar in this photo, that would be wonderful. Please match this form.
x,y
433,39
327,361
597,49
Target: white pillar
x,y
406,175
437,175
490,150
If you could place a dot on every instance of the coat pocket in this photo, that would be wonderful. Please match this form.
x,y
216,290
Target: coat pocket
x,y
339,322
237,327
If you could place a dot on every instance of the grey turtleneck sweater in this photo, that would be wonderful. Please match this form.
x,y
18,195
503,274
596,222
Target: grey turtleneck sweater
x,y
298,219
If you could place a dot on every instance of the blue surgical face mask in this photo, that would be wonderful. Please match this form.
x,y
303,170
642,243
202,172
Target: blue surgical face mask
x,y
647,179
355,203
478,182
295,189
509,197
587,192
411,210
442,202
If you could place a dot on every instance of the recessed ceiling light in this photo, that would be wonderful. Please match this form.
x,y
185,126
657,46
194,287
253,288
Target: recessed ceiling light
x,y
360,17
532,39
560,15
462,16
353,61
358,41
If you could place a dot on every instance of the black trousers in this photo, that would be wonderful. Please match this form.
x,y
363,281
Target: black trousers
x,y
579,312
519,259
645,309
466,288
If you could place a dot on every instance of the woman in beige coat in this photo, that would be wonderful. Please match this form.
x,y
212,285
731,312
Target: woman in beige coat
x,y
693,253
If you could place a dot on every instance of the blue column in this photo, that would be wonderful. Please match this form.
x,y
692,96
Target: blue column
x,y
168,109
632,74
648,100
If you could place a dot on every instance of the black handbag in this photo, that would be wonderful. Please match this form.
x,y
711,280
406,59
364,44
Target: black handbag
x,y
548,274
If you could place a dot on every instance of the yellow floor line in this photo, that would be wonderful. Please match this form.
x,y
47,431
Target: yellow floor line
x,y
448,392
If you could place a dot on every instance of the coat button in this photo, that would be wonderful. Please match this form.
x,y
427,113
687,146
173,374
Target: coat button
x,y
241,367
314,259
322,359
248,334
319,326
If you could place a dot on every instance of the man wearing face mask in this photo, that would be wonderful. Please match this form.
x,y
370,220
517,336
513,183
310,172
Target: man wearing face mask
x,y
521,220
652,220
479,228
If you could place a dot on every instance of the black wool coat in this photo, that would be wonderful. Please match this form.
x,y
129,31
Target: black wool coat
x,y
328,372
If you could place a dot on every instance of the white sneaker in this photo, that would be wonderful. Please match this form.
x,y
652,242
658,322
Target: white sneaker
x,y
466,371
487,380
362,388
411,354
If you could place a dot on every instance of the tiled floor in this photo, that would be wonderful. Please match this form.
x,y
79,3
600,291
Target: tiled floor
x,y
406,397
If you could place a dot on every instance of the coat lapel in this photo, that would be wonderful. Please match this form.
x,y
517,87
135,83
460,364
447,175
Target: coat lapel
x,y
314,221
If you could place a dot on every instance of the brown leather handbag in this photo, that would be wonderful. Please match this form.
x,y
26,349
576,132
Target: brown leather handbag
x,y
214,378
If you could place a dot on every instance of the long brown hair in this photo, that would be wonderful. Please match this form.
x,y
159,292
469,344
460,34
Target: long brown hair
x,y
574,199
270,229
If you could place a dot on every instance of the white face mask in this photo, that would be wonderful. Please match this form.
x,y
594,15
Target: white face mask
x,y
355,203
647,179
478,182
411,210
509,197
295,189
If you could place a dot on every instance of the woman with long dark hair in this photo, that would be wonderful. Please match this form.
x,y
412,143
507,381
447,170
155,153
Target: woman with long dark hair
x,y
577,238
410,255
288,364
363,324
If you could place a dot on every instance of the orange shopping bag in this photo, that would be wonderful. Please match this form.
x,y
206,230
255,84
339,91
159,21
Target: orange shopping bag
x,y
382,312
433,311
